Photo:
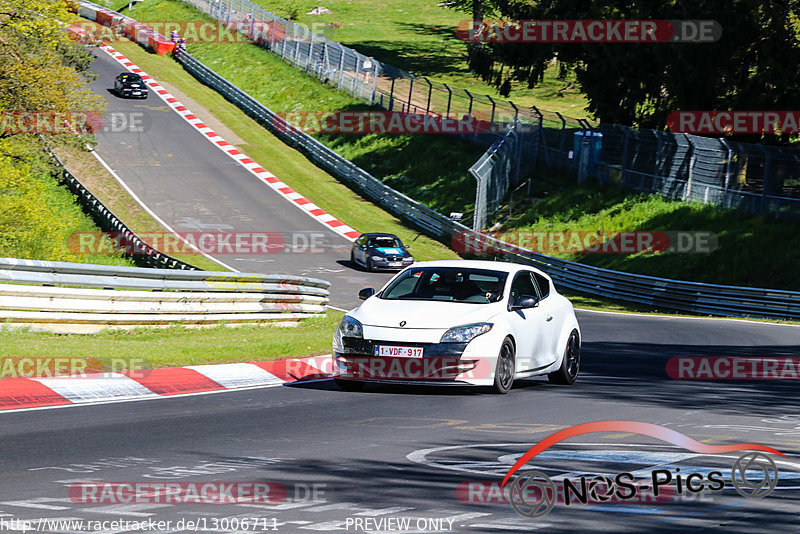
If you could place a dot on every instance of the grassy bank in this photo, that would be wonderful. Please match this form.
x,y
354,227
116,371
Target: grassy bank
x,y
750,251
419,36
178,346
38,214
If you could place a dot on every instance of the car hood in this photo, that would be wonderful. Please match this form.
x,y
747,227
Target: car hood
x,y
389,251
423,313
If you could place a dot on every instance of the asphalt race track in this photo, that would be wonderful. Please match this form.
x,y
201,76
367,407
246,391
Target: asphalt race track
x,y
363,462
367,453
195,187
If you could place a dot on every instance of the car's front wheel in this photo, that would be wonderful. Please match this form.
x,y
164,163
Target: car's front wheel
x,y
570,363
370,265
349,385
504,370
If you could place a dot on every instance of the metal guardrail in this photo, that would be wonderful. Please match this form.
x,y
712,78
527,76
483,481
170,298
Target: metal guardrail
x,y
81,297
659,292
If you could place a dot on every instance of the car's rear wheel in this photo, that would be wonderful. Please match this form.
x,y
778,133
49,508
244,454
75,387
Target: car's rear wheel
x,y
504,370
349,385
570,363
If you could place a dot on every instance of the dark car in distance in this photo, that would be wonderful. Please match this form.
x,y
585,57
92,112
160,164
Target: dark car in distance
x,y
376,251
129,84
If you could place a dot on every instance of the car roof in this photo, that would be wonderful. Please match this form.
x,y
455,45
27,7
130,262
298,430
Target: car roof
x,y
503,266
379,234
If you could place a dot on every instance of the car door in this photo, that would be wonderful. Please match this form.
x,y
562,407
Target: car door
x,y
529,326
547,307
361,251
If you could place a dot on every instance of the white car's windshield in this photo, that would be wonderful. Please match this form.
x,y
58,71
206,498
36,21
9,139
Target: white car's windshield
x,y
477,286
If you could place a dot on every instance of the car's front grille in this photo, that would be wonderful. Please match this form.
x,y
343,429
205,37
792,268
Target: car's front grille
x,y
366,347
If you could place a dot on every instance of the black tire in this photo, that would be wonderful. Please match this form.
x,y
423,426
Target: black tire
x,y
349,385
370,266
504,370
353,259
570,363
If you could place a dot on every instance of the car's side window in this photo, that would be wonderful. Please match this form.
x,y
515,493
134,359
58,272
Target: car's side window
x,y
522,285
361,240
543,284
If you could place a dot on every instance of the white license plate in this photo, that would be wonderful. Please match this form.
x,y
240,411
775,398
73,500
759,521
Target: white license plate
x,y
137,92
398,352
395,264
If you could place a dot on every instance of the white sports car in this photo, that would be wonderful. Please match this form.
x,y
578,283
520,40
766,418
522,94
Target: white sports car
x,y
459,322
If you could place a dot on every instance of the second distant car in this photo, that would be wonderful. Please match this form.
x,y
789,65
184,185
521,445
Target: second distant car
x,y
376,251
129,84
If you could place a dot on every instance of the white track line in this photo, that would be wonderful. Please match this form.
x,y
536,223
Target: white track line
x,y
150,212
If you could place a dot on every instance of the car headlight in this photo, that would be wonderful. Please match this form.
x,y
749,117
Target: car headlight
x,y
465,333
348,327
377,258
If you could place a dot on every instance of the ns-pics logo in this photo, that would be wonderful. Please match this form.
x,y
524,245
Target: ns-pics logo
x,y
532,493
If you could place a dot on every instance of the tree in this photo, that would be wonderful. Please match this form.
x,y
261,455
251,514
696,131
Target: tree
x,y
754,65
41,68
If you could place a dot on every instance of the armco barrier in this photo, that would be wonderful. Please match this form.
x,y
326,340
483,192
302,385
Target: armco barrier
x,y
133,30
76,297
662,293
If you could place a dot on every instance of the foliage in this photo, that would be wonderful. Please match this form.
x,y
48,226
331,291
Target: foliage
x,y
753,66
40,67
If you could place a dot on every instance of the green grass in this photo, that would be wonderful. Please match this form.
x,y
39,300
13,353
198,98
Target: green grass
x,y
419,36
39,217
751,251
178,345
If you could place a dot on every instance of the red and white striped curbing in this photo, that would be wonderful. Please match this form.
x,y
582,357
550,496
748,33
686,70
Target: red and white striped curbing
x,y
26,393
253,167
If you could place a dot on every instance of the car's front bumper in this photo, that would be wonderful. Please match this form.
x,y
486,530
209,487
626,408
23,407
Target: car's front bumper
x,y
383,263
441,363
130,93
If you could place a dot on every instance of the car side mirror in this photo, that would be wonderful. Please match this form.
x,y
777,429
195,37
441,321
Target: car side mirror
x,y
524,302
366,293
406,246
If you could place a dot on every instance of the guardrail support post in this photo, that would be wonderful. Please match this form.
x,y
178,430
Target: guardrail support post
x,y
449,99
410,92
430,90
